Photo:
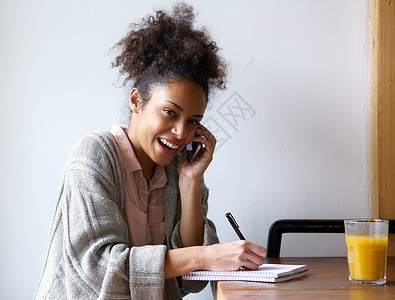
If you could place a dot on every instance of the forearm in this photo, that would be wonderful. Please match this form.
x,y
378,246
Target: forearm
x,y
191,223
217,257
183,260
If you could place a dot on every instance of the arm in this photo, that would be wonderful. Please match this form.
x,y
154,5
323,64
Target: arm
x,y
217,257
192,220
191,185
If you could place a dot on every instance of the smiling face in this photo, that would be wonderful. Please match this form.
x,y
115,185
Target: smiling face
x,y
162,127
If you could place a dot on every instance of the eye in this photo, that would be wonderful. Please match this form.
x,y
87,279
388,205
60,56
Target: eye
x,y
193,122
170,112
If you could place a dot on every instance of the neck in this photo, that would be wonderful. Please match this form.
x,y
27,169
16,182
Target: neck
x,y
147,165
148,171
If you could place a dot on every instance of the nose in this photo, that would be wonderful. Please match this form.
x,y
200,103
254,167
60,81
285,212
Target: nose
x,y
179,130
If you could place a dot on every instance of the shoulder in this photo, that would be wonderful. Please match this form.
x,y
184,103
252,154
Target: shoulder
x,y
96,150
95,160
96,145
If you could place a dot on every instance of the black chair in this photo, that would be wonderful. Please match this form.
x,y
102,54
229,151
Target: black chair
x,y
279,227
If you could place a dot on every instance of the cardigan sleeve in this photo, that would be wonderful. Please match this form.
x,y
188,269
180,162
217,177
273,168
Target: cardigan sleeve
x,y
98,262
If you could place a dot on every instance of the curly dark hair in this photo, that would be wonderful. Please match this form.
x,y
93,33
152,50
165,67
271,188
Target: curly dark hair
x,y
165,48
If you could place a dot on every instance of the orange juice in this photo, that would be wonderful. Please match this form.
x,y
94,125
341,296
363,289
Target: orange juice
x,y
367,257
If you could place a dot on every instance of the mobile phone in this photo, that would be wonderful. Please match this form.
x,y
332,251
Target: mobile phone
x,y
192,150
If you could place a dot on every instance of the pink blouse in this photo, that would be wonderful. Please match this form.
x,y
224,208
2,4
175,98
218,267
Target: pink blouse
x,y
143,203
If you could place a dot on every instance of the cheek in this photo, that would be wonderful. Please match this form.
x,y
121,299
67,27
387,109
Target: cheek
x,y
157,126
191,132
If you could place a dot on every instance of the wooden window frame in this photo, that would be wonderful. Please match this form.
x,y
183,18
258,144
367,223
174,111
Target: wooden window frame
x,y
382,111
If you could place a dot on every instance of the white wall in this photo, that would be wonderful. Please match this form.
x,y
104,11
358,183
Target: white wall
x,y
299,69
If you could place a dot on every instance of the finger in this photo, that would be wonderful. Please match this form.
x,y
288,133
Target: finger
x,y
207,140
182,153
203,131
250,265
257,249
207,150
255,258
207,143
253,253
181,157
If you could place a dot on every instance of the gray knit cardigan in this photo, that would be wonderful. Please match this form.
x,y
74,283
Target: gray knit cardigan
x,y
88,256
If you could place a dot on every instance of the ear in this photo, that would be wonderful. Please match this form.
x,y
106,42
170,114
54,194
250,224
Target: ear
x,y
135,103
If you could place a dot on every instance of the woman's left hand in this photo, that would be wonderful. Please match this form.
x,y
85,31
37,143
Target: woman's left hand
x,y
196,169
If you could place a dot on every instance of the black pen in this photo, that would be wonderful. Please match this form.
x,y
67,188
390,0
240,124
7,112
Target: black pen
x,y
234,224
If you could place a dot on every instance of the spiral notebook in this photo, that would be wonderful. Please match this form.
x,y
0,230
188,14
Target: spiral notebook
x,y
265,273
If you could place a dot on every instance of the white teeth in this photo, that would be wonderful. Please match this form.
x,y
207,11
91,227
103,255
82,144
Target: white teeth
x,y
167,143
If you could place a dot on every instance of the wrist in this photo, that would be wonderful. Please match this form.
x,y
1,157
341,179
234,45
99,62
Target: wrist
x,y
209,257
188,184
202,258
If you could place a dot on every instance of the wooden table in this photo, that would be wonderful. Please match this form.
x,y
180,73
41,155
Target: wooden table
x,y
327,279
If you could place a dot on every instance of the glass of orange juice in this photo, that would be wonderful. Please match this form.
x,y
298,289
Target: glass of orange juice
x,y
367,242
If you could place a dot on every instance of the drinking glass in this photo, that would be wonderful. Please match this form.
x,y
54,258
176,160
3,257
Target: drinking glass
x,y
367,242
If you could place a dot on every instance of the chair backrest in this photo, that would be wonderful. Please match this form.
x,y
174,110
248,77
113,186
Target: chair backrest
x,y
279,227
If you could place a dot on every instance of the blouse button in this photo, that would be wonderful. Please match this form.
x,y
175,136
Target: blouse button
x,y
152,226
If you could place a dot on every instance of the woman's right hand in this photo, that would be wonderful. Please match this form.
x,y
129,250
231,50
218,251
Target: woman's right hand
x,y
231,256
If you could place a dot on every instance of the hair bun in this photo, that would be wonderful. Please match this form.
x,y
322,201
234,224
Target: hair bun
x,y
167,46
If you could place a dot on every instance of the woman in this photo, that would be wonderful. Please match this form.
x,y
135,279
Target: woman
x,y
131,214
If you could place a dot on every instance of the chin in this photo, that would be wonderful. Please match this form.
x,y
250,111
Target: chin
x,y
163,161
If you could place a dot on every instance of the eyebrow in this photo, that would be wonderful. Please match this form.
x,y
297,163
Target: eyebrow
x,y
180,108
